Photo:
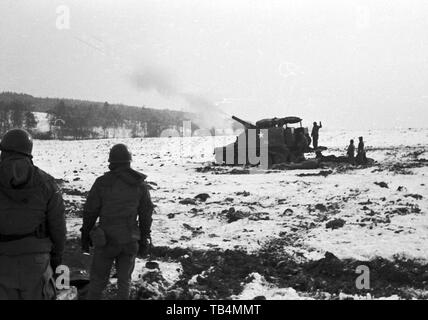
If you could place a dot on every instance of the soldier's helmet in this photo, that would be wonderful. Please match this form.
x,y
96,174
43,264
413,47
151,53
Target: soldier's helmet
x,y
119,153
17,140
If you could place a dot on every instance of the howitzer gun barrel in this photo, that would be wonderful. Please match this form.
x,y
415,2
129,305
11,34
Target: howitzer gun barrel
x,y
246,124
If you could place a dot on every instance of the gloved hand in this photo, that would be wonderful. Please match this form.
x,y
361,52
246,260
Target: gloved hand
x,y
86,242
55,262
145,245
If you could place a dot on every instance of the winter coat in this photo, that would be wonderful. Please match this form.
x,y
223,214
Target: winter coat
x,y
31,210
361,147
351,151
118,198
315,130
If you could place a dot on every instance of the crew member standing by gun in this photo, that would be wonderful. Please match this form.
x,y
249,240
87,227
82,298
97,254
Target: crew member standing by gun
x,y
361,154
315,134
117,198
32,223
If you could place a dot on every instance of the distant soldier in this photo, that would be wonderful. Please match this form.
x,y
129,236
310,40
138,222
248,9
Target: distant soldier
x,y
32,223
361,154
117,198
351,152
315,134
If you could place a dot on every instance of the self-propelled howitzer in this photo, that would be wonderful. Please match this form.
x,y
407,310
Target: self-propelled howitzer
x,y
285,143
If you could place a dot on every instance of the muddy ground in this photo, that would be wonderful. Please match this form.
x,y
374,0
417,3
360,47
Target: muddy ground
x,y
223,274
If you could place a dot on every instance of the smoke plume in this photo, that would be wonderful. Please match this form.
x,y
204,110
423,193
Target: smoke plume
x,y
151,78
204,112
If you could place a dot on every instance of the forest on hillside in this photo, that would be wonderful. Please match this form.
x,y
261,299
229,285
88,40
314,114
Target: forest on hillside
x,y
79,119
16,114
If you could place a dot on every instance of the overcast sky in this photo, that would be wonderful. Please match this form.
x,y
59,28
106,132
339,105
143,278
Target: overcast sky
x,y
357,64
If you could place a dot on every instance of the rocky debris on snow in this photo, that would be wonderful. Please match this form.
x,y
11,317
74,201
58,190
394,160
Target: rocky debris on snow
x,y
233,215
403,168
258,288
210,168
188,201
152,265
156,280
335,224
222,170
374,220
259,216
330,208
414,196
329,265
402,211
242,193
74,192
152,183
73,208
365,203
67,294
239,171
321,207
414,155
382,184
322,173
61,181
195,230
202,197
401,188
152,285
288,212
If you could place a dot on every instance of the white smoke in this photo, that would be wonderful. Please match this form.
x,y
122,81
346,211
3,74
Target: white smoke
x,y
207,114
154,78
204,112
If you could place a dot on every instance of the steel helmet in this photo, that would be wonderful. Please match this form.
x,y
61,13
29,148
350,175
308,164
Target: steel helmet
x,y
17,140
119,153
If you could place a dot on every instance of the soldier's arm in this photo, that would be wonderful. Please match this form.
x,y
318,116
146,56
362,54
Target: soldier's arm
x,y
56,225
145,212
91,209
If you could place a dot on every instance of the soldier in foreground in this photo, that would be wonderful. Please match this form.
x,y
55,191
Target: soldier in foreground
x,y
315,134
117,198
32,223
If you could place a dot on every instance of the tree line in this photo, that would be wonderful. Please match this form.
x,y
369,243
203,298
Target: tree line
x,y
81,119
82,122
16,114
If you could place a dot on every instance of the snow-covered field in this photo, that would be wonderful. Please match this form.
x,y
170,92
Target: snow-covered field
x,y
382,213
